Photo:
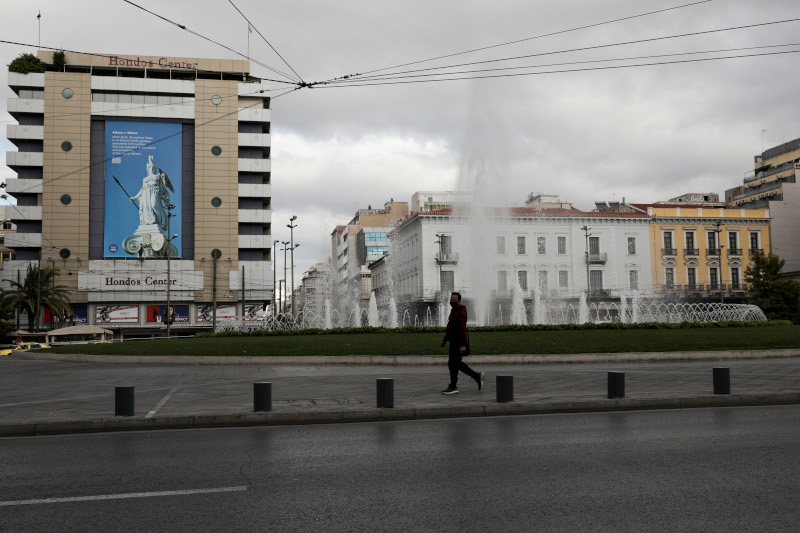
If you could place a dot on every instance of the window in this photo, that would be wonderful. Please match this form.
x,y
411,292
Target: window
x,y
543,281
668,240
562,246
733,241
631,245
594,245
669,277
541,245
448,282
502,280
522,277
521,245
375,236
501,244
753,240
377,250
596,280
633,280
690,240
691,277
713,278
563,279
446,244
712,240
734,278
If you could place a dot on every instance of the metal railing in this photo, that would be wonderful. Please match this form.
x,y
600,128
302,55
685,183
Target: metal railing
x,y
669,251
597,258
691,251
712,252
451,257
734,251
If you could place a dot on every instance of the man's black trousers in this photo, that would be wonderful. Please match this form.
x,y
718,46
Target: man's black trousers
x,y
455,363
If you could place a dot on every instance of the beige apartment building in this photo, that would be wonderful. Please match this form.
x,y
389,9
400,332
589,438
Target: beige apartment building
x,y
129,167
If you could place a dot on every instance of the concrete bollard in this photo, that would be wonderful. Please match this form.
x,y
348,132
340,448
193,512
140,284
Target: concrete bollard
x,y
722,381
262,396
385,392
616,385
123,401
505,388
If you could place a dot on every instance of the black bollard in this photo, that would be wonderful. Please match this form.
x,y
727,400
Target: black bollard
x,y
385,392
123,401
722,381
262,396
505,388
616,384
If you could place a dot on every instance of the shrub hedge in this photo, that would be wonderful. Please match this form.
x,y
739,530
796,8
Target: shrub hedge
x,y
536,327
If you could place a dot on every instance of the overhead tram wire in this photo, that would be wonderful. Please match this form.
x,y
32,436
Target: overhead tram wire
x,y
515,75
385,77
580,49
560,32
266,41
183,27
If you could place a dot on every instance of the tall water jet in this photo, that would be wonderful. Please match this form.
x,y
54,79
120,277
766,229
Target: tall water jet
x,y
583,310
623,308
356,316
635,307
538,307
392,313
373,319
518,314
327,314
443,315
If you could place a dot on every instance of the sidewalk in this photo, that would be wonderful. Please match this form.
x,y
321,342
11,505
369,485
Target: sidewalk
x,y
39,397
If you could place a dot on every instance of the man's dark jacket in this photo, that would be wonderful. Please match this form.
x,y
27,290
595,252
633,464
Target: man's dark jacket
x,y
456,331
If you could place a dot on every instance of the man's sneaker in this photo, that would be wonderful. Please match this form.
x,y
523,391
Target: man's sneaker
x,y
450,390
480,380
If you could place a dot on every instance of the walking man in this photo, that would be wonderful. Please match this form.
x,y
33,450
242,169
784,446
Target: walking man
x,y
456,334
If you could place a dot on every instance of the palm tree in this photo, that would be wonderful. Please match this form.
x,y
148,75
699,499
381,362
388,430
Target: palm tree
x,y
38,281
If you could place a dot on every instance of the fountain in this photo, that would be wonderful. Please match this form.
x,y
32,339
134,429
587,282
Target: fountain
x,y
518,314
372,315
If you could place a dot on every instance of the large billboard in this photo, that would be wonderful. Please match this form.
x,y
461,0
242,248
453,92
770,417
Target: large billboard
x,y
143,177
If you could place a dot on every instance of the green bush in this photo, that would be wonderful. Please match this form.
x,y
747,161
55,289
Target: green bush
x,y
25,64
59,60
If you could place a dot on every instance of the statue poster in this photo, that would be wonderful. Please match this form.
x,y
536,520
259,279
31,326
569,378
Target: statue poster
x,y
143,178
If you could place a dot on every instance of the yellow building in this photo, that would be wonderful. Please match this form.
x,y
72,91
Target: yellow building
x,y
699,250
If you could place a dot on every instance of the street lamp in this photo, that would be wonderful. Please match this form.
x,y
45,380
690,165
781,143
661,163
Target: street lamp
x,y
283,302
588,283
291,238
717,225
274,275
170,237
440,241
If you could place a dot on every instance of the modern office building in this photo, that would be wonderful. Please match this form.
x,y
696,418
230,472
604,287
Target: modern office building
x,y
773,184
141,177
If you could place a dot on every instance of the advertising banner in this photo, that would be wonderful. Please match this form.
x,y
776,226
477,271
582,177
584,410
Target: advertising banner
x,y
143,175
117,313
80,314
254,312
204,312
180,313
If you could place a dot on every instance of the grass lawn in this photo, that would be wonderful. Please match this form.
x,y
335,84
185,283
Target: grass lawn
x,y
509,342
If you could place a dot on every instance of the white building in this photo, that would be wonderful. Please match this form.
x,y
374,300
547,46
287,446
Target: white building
x,y
557,252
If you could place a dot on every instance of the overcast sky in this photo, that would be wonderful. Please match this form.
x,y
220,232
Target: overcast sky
x,y
647,133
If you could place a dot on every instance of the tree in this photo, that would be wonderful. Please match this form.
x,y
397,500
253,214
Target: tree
x,y
778,298
41,282
59,60
25,64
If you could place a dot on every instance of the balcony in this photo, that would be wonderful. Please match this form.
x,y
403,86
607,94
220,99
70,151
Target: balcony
x,y
446,258
14,131
254,165
14,186
669,251
597,259
734,251
712,252
24,159
754,250
691,251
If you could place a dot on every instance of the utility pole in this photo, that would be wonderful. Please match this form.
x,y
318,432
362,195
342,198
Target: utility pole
x,y
439,263
291,238
244,296
274,276
285,248
215,254
168,313
588,283
718,231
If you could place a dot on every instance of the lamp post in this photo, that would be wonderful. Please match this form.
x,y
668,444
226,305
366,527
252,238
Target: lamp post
x,y
170,237
588,283
291,239
274,276
717,225
283,302
439,263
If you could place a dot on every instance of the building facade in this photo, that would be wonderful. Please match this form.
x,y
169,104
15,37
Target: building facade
x,y
139,174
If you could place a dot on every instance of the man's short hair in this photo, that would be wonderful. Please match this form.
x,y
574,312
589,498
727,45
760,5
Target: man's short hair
x,y
458,295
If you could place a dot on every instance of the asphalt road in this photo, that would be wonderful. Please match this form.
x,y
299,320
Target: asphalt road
x,y
731,469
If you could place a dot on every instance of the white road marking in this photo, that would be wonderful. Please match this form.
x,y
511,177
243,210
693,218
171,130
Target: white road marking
x,y
160,404
122,496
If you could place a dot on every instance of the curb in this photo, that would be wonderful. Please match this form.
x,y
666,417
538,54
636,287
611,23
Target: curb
x,y
273,418
403,360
